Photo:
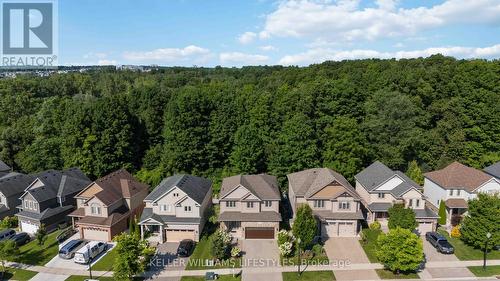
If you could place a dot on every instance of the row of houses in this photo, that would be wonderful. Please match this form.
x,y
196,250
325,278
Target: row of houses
x,y
249,204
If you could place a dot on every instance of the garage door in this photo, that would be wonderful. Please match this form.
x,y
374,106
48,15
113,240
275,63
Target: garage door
x,y
95,234
329,229
175,235
424,227
346,229
259,233
29,227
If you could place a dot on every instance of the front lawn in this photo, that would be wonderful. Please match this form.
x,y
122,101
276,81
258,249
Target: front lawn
x,y
491,270
18,274
32,253
465,252
106,262
308,276
387,274
202,254
202,278
369,243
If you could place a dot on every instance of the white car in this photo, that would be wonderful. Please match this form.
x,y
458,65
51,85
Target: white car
x,y
90,251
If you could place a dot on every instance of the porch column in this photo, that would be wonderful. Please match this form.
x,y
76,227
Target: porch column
x,y
162,238
448,217
142,232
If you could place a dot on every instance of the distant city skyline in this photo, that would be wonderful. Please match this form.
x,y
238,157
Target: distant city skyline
x,y
265,32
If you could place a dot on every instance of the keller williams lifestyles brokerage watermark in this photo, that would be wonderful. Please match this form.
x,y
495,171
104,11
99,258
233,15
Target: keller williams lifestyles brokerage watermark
x,y
29,34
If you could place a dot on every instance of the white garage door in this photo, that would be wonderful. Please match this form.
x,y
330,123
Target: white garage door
x,y
346,229
424,227
175,235
95,234
29,227
329,229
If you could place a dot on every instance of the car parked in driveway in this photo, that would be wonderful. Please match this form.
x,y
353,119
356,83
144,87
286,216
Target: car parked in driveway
x,y
86,254
7,234
185,248
69,249
21,238
439,242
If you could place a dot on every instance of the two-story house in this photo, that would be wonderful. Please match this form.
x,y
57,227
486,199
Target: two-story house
x,y
12,186
333,200
249,206
105,206
455,185
177,209
48,199
380,188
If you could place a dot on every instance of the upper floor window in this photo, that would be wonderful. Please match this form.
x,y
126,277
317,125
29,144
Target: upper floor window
x,y
31,204
165,208
95,209
319,203
458,192
26,204
35,206
187,208
249,204
344,205
410,203
451,192
418,203
381,195
268,203
230,204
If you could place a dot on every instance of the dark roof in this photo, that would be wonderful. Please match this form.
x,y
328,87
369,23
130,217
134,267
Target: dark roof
x,y
148,214
15,184
118,185
47,213
308,182
116,216
457,175
58,183
264,186
425,213
493,170
196,188
266,216
379,207
324,215
377,173
456,203
4,167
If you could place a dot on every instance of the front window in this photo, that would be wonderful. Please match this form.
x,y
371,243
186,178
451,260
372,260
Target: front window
x,y
418,202
26,204
381,195
268,203
95,209
410,203
451,192
344,205
230,204
187,208
319,203
458,192
249,204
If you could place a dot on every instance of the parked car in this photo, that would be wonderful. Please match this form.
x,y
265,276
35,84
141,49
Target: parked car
x,y
211,276
185,248
439,242
69,249
21,238
7,234
86,254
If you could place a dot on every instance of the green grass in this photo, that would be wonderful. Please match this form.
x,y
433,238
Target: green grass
x,y
202,278
387,274
106,262
315,260
465,252
369,245
32,253
202,252
19,274
308,276
491,270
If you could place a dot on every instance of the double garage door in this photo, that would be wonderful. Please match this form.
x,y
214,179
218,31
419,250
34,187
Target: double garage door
x,y
338,229
97,234
259,233
424,227
176,235
29,227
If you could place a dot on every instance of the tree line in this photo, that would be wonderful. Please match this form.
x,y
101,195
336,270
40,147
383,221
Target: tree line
x,y
216,122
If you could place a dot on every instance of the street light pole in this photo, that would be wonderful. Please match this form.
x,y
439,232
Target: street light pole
x,y
488,236
300,259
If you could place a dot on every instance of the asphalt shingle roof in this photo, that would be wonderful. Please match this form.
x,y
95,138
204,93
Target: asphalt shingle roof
x,y
264,186
4,167
59,182
308,182
148,214
195,187
15,184
493,170
457,175
266,216
118,185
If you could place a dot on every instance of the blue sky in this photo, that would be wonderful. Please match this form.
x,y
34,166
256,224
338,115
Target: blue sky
x,y
258,32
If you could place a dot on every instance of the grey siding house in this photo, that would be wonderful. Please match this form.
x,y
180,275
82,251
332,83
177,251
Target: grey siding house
x,y
12,186
48,199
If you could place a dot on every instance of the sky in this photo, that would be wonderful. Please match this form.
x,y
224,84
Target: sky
x,y
269,32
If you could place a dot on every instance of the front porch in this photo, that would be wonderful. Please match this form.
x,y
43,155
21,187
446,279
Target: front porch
x,y
456,209
153,232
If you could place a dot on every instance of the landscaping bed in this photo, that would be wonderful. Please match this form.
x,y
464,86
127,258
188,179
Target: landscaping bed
x,y
465,252
369,243
387,274
491,270
309,276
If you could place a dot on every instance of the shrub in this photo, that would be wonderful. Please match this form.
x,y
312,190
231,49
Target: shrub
x,y
285,249
284,236
318,250
375,225
305,226
442,213
220,244
235,252
9,222
455,232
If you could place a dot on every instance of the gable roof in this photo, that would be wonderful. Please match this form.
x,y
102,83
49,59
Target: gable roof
x,y
264,186
493,170
115,186
15,184
58,183
377,173
308,182
457,175
196,188
4,167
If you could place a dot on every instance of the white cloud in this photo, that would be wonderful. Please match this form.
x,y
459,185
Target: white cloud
x,y
106,62
268,48
98,55
346,20
319,55
237,58
247,37
190,52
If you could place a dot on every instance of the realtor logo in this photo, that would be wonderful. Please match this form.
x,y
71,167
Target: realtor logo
x,y
29,34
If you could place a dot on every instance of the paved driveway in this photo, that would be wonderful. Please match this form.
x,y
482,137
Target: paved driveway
x,y
58,262
47,277
456,272
167,259
431,254
348,250
260,254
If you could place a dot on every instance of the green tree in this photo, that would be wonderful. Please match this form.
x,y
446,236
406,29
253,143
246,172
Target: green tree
x,y
8,251
248,152
220,244
415,173
41,235
483,216
305,226
402,217
442,213
400,250
127,264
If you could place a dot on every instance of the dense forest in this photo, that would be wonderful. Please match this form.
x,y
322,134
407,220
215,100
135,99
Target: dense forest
x,y
218,121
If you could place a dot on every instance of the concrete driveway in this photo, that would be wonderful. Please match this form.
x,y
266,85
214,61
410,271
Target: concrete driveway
x,y
167,259
58,262
347,250
47,276
260,254
457,272
431,254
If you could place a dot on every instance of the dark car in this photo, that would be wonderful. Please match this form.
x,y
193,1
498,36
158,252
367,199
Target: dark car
x,y
439,242
21,238
185,248
7,234
68,251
